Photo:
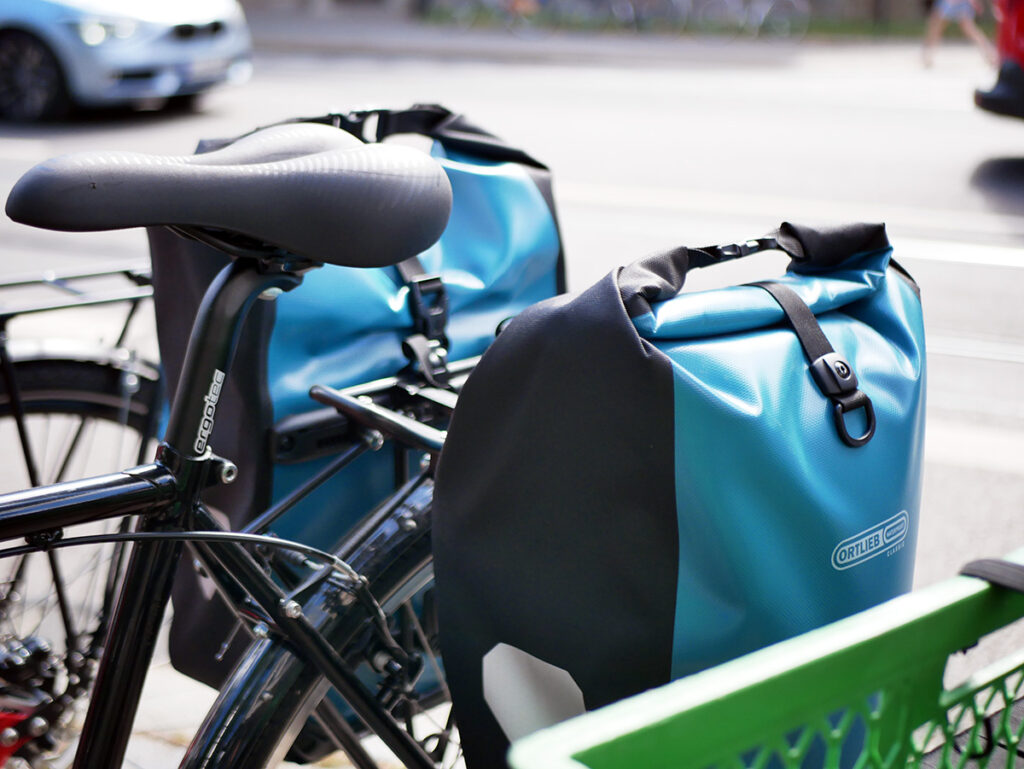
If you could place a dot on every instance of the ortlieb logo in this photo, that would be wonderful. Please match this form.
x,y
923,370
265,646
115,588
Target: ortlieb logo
x,y
885,537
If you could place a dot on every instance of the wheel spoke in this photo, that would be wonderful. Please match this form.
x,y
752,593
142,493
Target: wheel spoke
x,y
421,636
60,590
69,450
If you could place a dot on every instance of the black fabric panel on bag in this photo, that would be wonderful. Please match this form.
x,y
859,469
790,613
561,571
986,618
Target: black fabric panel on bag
x,y
555,525
823,248
182,270
653,279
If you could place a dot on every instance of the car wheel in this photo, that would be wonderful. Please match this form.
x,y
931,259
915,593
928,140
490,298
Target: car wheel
x,y
32,83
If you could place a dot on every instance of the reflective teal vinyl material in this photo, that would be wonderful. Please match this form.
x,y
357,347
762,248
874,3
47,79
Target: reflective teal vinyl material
x,y
783,527
344,326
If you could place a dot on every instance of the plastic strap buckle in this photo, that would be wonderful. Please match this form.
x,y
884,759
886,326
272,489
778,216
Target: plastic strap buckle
x,y
428,303
354,122
746,248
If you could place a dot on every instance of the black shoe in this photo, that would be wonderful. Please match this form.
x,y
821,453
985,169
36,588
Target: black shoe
x,y
1006,97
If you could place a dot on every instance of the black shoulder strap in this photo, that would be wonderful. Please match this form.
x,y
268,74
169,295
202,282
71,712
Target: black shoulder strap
x,y
800,317
997,571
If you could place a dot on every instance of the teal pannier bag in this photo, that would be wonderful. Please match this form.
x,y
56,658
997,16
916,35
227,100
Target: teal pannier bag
x,y
639,482
500,253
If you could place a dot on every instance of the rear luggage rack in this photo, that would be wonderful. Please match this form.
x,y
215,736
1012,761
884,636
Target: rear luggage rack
x,y
401,407
391,423
73,289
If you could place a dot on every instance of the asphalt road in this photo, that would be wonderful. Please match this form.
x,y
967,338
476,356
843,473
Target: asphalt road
x,y
718,147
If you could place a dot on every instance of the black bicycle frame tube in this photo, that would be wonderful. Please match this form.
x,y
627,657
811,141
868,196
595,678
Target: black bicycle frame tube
x,y
140,490
149,575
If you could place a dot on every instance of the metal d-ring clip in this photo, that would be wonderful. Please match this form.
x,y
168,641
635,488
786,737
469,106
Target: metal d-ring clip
x,y
836,380
840,407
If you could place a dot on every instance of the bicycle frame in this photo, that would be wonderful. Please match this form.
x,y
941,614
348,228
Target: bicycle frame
x,y
166,496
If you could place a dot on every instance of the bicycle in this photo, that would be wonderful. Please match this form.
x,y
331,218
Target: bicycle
x,y
316,617
783,19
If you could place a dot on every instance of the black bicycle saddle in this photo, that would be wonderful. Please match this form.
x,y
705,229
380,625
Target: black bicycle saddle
x,y
308,189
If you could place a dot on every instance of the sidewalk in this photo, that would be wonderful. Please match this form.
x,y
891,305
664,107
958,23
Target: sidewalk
x,y
360,29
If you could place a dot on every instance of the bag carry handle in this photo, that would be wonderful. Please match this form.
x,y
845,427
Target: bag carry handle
x,y
661,277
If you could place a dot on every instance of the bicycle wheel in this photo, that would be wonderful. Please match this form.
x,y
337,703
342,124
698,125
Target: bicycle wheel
x,y
32,84
272,695
463,13
723,19
661,15
596,15
786,19
81,417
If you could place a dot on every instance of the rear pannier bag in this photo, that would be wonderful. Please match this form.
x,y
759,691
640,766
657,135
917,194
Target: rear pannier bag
x,y
500,253
639,483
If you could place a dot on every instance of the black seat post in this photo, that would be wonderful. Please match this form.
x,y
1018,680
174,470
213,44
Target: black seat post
x,y
212,344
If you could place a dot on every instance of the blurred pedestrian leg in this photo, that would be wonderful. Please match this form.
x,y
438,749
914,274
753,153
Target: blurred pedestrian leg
x,y
963,13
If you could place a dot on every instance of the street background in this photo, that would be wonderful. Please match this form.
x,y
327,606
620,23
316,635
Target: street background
x,y
663,141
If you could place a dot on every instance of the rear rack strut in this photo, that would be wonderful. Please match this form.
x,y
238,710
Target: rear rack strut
x,y
73,289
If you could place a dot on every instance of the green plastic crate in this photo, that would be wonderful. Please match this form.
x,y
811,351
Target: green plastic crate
x,y
863,692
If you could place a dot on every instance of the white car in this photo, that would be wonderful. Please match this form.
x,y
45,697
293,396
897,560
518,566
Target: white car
x,y
55,54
